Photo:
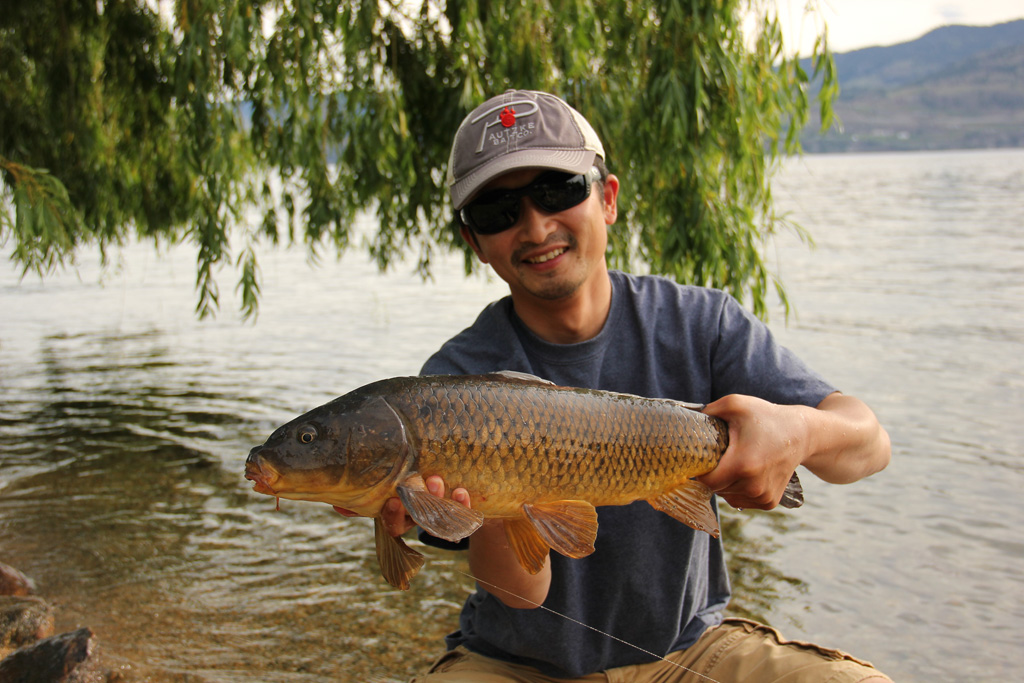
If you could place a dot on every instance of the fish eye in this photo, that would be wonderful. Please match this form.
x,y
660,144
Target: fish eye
x,y
307,434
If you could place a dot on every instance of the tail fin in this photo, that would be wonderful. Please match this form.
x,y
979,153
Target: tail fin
x,y
793,496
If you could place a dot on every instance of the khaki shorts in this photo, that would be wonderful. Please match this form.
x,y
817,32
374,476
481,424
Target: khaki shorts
x,y
737,650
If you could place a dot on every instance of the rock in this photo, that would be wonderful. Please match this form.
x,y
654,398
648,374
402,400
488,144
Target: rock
x,y
67,658
13,582
23,621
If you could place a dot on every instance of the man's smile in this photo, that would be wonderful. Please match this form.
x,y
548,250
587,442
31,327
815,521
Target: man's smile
x,y
544,258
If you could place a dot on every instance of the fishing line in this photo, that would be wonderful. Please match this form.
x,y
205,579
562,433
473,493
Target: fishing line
x,y
592,628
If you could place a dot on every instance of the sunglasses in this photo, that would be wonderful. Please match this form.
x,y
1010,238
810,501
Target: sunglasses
x,y
554,191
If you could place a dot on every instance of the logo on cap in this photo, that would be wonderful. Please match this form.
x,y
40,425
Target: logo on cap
x,y
508,119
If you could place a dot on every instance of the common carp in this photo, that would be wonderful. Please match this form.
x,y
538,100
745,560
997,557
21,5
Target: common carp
x,y
539,456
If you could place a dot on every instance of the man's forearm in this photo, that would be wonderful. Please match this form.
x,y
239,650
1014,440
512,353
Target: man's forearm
x,y
846,441
494,565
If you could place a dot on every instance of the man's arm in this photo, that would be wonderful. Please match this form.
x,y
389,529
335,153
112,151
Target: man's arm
x,y
491,560
840,441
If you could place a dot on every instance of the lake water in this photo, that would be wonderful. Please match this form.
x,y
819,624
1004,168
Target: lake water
x,y
124,426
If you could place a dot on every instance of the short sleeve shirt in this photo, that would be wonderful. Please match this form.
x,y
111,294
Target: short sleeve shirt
x,y
652,581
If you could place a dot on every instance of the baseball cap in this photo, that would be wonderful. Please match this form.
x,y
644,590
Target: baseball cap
x,y
518,129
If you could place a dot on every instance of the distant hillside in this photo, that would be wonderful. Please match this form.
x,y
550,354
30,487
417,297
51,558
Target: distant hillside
x,y
957,87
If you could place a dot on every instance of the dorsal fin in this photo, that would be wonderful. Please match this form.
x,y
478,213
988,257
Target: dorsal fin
x,y
524,376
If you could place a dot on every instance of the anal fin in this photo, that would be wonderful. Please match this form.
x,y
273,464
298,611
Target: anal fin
x,y
398,562
690,503
440,517
529,547
567,526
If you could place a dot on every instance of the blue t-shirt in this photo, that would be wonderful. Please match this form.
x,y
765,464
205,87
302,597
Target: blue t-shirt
x,y
652,581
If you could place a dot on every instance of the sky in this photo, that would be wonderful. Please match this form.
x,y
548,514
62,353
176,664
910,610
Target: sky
x,y
855,24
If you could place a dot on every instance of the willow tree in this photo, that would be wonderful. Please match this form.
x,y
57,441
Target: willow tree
x,y
227,124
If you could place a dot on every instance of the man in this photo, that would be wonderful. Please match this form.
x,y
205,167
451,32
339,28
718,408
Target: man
x,y
534,201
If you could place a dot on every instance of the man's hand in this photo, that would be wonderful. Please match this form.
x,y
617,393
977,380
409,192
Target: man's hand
x,y
840,441
766,444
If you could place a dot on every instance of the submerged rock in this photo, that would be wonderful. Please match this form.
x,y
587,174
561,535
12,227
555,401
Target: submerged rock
x,y
23,621
29,650
13,582
67,658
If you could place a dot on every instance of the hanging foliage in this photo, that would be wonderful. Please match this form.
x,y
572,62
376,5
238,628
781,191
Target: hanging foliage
x,y
233,124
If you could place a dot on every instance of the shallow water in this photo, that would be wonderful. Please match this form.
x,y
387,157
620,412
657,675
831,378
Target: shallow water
x,y
914,301
124,425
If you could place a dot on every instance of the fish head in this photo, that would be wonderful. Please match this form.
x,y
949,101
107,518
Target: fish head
x,y
348,453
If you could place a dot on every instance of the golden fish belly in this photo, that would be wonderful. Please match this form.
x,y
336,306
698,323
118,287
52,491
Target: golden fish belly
x,y
513,442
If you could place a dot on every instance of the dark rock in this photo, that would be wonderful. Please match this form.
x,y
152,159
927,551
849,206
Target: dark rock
x,y
23,621
13,582
67,658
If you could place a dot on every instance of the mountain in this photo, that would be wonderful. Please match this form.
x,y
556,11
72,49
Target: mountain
x,y
957,87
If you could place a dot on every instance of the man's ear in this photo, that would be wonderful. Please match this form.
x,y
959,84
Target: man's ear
x,y
472,241
611,197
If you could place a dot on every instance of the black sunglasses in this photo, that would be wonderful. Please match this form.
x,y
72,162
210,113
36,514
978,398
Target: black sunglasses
x,y
554,191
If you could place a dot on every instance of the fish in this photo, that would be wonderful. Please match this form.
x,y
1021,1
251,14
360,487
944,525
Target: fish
x,y
539,456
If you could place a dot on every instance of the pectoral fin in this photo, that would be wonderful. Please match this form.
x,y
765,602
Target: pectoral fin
x,y
398,562
568,526
529,547
793,496
690,503
440,517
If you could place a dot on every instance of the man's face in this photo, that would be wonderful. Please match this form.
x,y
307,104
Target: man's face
x,y
549,255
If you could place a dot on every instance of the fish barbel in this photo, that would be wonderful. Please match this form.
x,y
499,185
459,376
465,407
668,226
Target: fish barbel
x,y
540,457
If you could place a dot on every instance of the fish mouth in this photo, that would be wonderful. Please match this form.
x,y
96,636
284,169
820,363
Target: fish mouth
x,y
261,474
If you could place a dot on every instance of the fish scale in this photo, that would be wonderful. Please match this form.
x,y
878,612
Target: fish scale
x,y
596,444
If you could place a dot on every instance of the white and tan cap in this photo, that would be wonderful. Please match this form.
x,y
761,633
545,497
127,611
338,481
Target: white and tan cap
x,y
518,129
